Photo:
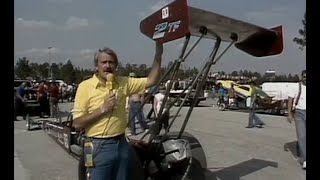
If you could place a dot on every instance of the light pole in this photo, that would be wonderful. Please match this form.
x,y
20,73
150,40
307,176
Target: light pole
x,y
50,70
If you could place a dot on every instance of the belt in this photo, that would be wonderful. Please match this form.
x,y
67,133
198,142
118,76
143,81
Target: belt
x,y
118,137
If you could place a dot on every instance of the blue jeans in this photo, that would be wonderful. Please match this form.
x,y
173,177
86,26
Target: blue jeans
x,y
113,159
136,112
300,121
254,119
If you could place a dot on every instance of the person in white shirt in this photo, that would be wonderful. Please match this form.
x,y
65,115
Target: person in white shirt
x,y
158,99
297,112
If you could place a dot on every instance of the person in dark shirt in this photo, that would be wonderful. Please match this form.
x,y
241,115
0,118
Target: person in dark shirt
x,y
43,99
21,91
20,104
53,99
223,93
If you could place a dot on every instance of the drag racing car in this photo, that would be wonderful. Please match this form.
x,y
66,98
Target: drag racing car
x,y
175,155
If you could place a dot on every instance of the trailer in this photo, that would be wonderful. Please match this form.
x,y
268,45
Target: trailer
x,y
279,92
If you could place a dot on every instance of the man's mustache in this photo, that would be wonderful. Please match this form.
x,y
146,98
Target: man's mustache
x,y
108,70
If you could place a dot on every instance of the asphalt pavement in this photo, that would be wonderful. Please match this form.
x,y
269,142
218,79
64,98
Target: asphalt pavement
x,y
233,152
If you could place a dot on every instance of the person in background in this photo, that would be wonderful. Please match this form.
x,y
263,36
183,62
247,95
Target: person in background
x,y
20,102
153,90
232,94
254,120
297,113
42,94
53,99
158,100
223,93
136,111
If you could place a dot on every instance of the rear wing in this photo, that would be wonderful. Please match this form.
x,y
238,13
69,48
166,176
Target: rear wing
x,y
177,19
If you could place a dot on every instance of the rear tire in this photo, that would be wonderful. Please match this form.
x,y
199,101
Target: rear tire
x,y
199,161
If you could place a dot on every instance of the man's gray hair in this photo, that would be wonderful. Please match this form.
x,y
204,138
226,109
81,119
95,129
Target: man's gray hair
x,y
107,51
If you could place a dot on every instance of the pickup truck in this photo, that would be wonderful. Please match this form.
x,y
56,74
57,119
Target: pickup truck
x,y
175,93
189,100
31,91
30,98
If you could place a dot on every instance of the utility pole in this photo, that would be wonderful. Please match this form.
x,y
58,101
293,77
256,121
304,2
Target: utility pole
x,y
50,70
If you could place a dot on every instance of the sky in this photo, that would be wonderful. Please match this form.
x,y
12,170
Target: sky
x,y
75,29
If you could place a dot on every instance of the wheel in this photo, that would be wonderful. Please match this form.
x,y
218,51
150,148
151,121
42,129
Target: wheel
x,y
195,172
187,169
178,103
233,105
199,161
222,107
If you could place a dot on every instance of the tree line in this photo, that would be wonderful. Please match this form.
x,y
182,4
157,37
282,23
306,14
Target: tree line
x,y
24,69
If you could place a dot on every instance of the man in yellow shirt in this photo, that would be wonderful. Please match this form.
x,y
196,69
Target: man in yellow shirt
x,y
254,120
99,109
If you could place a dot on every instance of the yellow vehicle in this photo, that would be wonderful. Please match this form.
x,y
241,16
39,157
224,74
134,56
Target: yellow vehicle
x,y
243,90
265,102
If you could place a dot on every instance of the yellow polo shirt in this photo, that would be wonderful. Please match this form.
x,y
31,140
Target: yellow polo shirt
x,y
90,96
253,91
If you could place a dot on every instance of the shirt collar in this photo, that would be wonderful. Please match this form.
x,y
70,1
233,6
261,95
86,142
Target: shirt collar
x,y
97,82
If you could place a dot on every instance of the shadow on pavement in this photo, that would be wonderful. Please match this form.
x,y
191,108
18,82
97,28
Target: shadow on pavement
x,y
257,112
235,172
293,148
204,105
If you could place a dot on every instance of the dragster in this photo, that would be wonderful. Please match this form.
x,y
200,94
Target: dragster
x,y
178,155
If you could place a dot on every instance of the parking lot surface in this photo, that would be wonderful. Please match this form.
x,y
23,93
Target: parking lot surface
x,y
233,152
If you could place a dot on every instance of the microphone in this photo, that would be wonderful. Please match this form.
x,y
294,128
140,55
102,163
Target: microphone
x,y
110,82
